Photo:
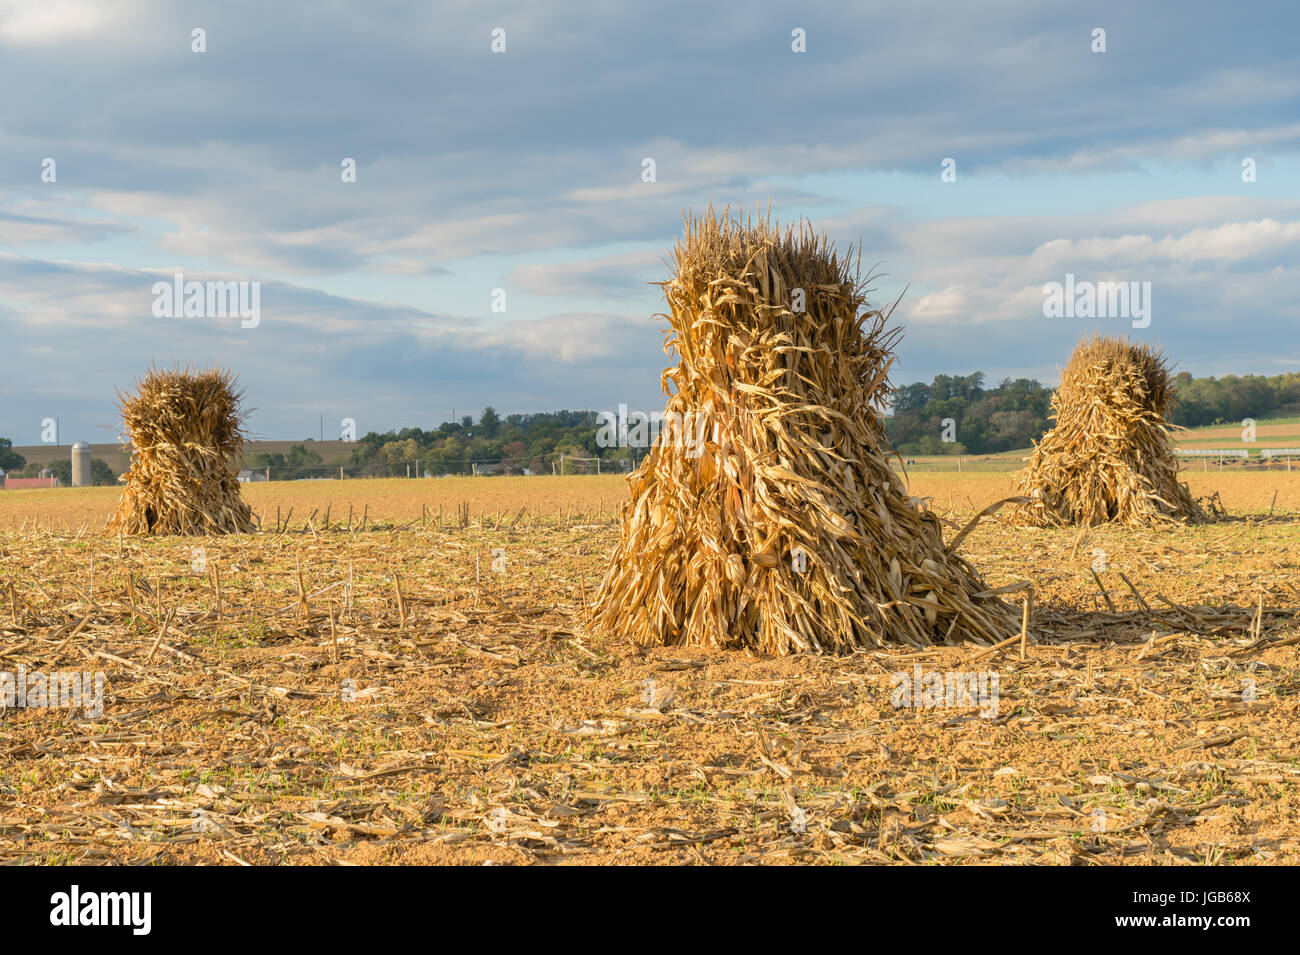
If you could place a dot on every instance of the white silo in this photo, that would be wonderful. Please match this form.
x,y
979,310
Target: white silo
x,y
81,464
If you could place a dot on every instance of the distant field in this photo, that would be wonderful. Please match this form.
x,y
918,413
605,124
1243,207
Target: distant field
x,y
1273,433
1292,422
1005,462
380,499
395,501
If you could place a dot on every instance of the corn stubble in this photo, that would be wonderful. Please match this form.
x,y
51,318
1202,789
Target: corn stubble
x,y
185,430
785,529
1108,459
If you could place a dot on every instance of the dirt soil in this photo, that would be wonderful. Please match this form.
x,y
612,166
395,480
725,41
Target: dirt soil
x,y
416,693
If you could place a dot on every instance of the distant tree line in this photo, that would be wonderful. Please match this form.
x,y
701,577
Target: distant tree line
x,y
100,473
519,440
300,462
1227,400
957,415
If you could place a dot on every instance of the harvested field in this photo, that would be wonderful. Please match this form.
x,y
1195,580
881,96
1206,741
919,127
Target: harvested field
x,y
383,499
1151,723
1241,492
393,500
1275,433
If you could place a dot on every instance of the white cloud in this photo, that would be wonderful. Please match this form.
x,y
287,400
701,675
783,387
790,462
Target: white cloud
x,y
49,21
952,302
613,276
1230,242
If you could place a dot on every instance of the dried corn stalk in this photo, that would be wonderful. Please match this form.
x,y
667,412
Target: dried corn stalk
x,y
184,430
1108,459
767,514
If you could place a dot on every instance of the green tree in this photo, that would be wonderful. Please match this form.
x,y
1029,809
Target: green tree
x,y
300,457
10,460
62,468
101,474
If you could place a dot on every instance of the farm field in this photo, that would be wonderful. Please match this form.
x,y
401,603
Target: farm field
x,y
1273,432
386,500
324,696
398,501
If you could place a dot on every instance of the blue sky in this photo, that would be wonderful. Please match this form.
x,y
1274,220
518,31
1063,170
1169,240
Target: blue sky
x,y
522,171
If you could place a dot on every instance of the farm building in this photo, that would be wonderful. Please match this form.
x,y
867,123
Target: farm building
x,y
17,483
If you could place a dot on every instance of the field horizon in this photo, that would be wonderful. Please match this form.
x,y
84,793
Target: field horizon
x,y
1283,431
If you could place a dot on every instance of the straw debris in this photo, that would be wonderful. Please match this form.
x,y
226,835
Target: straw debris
x,y
185,433
1108,459
766,514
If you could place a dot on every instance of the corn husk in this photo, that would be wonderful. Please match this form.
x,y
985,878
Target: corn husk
x,y
185,433
1109,458
766,514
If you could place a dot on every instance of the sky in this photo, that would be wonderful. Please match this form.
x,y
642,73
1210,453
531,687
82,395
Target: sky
x,y
500,241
